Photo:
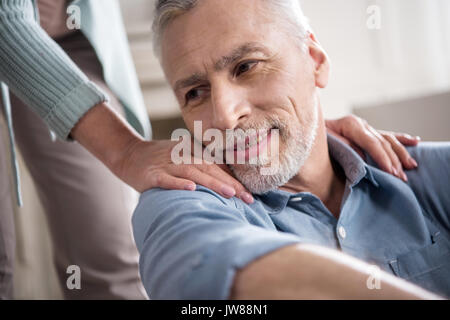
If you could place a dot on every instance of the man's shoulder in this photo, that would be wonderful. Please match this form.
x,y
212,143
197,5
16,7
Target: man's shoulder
x,y
201,193
156,201
433,159
430,181
160,208
431,151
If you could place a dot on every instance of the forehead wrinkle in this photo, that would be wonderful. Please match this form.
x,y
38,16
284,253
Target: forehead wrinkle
x,y
221,64
238,53
190,81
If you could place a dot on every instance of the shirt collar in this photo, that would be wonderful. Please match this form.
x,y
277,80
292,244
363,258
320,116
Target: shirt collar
x,y
354,167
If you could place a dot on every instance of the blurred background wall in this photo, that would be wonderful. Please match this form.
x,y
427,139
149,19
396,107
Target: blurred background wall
x,y
408,56
394,75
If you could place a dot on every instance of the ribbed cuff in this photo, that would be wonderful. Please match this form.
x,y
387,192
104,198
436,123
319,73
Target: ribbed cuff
x,y
65,115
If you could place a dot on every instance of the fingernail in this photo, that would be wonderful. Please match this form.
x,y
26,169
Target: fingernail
x,y
189,187
405,178
413,162
247,197
228,191
418,138
395,171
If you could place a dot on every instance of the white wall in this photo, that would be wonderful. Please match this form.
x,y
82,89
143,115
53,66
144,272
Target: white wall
x,y
408,56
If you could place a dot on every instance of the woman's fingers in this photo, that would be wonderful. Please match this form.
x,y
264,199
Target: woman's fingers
x,y
348,142
369,142
225,175
397,168
407,161
355,130
385,148
214,178
404,138
166,181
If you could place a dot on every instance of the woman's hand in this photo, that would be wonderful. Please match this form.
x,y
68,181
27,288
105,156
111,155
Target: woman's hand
x,y
148,164
386,148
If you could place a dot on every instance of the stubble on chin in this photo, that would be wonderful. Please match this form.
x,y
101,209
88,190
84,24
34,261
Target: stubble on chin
x,y
295,147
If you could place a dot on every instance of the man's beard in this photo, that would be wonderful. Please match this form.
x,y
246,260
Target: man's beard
x,y
297,141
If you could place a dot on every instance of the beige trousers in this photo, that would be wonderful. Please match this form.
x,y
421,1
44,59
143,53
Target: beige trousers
x,y
7,236
88,208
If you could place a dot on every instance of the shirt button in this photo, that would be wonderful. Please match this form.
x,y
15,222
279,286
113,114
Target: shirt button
x,y
296,199
342,232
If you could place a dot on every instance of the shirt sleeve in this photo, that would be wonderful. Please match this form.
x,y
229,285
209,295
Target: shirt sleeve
x,y
192,243
40,73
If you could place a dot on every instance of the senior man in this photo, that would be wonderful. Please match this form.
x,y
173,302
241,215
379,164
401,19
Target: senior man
x,y
324,224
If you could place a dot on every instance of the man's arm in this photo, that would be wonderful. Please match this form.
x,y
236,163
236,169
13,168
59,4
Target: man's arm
x,y
192,243
313,272
195,245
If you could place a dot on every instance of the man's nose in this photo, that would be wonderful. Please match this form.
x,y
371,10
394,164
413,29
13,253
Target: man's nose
x,y
229,105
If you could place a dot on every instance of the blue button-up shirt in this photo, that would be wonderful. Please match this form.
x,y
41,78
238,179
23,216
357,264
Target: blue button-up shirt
x,y
191,243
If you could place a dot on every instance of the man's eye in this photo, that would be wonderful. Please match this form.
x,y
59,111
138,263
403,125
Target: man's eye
x,y
244,67
194,94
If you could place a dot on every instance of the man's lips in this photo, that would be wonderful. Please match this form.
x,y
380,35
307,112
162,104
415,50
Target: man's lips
x,y
241,144
251,147
253,140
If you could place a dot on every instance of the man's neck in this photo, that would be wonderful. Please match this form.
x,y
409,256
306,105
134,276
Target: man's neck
x,y
320,176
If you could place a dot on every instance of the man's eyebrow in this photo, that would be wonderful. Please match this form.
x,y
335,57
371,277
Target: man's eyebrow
x,y
190,81
238,53
221,64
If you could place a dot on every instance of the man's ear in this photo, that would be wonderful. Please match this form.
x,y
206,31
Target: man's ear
x,y
321,62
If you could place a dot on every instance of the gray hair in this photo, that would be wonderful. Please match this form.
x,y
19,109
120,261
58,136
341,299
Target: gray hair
x,y
168,10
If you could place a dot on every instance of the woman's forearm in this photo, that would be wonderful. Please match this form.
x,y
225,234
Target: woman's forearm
x,y
314,272
40,73
104,133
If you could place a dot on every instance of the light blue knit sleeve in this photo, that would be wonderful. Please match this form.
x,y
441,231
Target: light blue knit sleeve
x,y
39,72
